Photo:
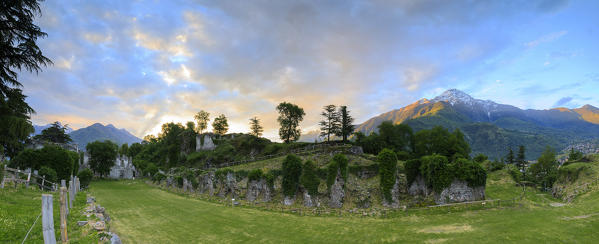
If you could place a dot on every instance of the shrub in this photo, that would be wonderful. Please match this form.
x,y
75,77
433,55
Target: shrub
x,y
179,180
469,171
403,155
150,169
270,178
292,169
570,173
49,173
412,168
58,159
480,158
85,177
388,171
514,172
255,174
28,158
338,164
309,179
436,171
158,177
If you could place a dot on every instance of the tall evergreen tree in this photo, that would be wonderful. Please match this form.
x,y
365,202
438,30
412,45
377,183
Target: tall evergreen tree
x,y
290,115
56,133
255,127
220,125
18,51
331,124
347,127
510,157
202,118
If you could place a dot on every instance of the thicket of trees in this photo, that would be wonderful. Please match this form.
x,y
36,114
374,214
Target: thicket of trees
x,y
102,156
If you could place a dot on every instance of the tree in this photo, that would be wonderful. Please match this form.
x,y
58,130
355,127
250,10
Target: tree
x,y
188,137
480,158
458,148
291,171
331,124
85,177
510,157
58,159
309,179
388,172
290,115
169,143
18,51
124,149
134,149
520,159
544,172
347,127
574,155
202,118
102,156
220,125
255,127
56,133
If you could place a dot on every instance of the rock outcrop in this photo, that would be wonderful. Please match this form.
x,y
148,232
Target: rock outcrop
x,y
256,189
309,200
207,183
228,186
459,191
398,188
419,187
204,143
337,192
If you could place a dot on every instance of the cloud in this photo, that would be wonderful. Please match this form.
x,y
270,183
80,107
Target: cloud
x,y
562,101
546,38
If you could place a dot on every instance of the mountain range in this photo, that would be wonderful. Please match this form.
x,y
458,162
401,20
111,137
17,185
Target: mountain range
x,y
493,128
96,132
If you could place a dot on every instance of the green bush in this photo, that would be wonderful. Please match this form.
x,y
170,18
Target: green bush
x,y
469,171
49,173
28,158
338,164
412,168
436,171
292,169
150,169
58,159
514,173
255,175
85,177
179,180
571,172
158,177
480,158
388,171
309,179
403,155
270,178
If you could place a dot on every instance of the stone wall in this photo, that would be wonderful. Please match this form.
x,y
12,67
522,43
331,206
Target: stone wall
x,y
204,143
458,191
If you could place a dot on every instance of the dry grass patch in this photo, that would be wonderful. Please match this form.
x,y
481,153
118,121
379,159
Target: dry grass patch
x,y
446,229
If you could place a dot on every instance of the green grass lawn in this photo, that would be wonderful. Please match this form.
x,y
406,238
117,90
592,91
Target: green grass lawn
x,y
145,214
20,207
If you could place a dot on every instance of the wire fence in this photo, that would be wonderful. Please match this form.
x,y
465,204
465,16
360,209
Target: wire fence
x,y
35,222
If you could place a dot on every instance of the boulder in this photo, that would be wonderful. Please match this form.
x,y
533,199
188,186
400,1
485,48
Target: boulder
x,y
337,192
228,186
256,188
419,187
288,200
308,201
395,191
207,183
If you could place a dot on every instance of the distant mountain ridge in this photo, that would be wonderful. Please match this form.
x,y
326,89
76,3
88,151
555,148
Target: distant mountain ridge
x,y
39,128
492,128
99,132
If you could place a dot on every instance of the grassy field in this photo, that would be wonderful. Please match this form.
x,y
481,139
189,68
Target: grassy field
x,y
20,207
145,214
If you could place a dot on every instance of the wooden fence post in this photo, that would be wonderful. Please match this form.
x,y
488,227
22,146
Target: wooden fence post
x,y
28,179
63,215
43,181
48,219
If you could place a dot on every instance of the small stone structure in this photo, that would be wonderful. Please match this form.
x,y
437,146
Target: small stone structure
x,y
337,192
123,167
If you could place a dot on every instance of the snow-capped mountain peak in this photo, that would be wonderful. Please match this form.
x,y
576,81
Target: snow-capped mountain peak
x,y
454,96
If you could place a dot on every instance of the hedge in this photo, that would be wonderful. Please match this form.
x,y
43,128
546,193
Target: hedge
x,y
309,179
292,169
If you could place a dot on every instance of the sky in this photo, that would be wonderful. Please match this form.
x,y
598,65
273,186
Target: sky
x,y
139,64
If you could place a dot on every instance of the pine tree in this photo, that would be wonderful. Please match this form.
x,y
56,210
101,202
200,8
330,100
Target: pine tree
x,y
510,157
331,124
255,127
347,127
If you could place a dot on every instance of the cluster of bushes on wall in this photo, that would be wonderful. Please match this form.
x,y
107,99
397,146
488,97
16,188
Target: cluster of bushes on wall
x,y
58,163
439,172
337,166
388,171
309,179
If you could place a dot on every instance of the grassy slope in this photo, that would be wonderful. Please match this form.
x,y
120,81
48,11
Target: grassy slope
x,y
20,207
321,160
144,214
